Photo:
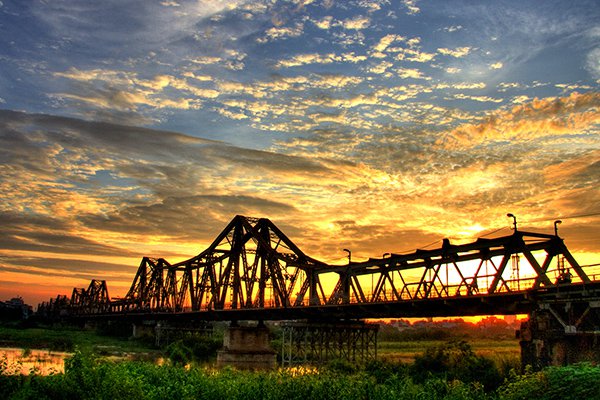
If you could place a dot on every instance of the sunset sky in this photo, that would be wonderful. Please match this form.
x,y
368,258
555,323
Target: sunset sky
x,y
141,128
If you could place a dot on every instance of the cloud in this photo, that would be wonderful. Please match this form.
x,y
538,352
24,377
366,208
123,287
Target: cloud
x,y
124,96
458,52
324,23
570,115
483,99
151,25
69,268
453,28
140,157
305,59
593,63
197,215
357,23
46,234
278,33
411,5
416,56
411,73
386,42
380,68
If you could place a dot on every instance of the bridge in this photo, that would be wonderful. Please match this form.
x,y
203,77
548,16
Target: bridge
x,y
253,272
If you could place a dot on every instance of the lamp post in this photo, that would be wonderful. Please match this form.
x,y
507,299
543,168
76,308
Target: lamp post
x,y
349,255
558,221
514,220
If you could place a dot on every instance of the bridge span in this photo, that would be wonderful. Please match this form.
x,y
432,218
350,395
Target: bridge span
x,y
253,271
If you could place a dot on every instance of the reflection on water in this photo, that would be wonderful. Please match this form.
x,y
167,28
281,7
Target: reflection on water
x,y
25,361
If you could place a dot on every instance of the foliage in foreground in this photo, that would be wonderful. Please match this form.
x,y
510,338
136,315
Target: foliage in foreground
x,y
579,381
90,378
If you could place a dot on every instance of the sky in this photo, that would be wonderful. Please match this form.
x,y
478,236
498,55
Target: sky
x,y
141,128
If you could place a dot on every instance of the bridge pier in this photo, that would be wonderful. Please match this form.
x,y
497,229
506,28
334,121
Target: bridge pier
x,y
319,343
168,332
143,329
561,332
247,347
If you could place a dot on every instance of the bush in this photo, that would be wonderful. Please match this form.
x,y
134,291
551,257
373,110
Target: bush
x,y
456,361
179,353
200,349
341,366
384,371
579,381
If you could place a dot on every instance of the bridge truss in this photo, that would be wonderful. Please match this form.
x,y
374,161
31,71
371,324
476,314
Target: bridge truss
x,y
252,265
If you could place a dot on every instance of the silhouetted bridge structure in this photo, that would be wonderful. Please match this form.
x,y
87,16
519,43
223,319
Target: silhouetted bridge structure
x,y
253,271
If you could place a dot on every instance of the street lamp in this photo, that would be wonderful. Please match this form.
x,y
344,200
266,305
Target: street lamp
x,y
509,215
558,221
349,255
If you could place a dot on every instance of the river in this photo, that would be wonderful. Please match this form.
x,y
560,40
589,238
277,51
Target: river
x,y
25,361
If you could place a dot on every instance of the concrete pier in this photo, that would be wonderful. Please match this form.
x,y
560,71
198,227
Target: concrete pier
x,y
246,347
561,332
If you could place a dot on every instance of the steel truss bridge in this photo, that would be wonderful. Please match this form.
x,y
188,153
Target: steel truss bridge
x,y
253,271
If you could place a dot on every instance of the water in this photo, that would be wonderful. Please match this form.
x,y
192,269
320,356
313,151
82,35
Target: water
x,y
24,361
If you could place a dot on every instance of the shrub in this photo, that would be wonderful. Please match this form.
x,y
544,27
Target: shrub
x,y
179,353
456,361
579,381
384,371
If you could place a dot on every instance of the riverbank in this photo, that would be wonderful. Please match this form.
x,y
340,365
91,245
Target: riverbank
x,y
68,339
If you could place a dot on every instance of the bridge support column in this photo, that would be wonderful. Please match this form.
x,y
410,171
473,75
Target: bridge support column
x,y
246,347
143,329
319,343
168,332
561,332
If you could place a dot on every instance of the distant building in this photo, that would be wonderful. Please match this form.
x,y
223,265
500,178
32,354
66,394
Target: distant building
x,y
15,309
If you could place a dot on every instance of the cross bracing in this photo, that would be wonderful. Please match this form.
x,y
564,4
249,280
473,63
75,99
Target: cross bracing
x,y
252,265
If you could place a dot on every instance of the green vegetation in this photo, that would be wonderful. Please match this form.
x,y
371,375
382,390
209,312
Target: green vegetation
x,y
68,339
456,361
193,350
579,381
426,369
447,371
87,377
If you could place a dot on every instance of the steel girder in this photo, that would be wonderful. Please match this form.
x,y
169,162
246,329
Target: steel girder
x,y
253,265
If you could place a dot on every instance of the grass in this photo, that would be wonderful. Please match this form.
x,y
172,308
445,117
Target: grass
x,y
68,339
506,353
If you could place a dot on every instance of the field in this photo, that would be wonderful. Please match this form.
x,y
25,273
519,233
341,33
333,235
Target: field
x,y
89,341
407,351
69,339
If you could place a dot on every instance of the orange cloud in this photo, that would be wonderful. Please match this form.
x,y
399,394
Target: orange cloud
x,y
572,115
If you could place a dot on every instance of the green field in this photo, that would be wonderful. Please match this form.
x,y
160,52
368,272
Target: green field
x,y
406,351
89,341
69,339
